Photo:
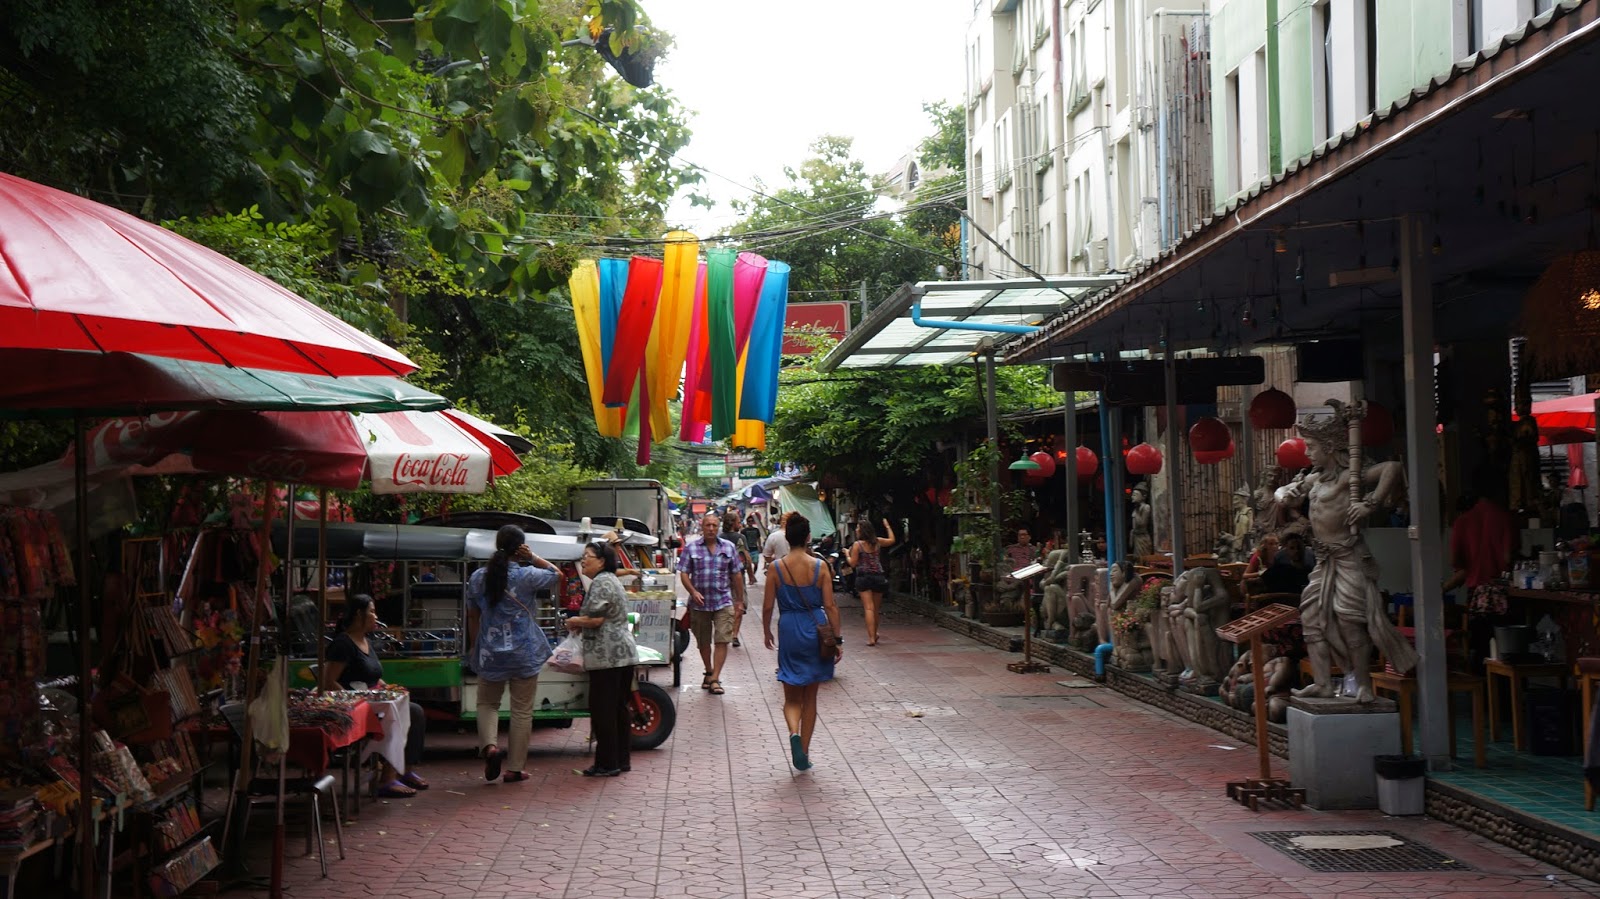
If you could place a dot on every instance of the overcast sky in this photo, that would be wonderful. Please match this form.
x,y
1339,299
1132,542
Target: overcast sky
x,y
765,78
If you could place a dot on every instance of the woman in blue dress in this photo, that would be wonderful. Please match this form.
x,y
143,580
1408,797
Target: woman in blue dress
x,y
799,586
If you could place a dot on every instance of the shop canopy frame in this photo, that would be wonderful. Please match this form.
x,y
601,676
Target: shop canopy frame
x,y
961,319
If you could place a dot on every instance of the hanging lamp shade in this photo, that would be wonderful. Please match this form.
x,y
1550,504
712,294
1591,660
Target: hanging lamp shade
x,y
1559,317
1024,463
1209,435
1213,457
1377,429
1272,408
1088,464
1292,454
1144,459
1046,463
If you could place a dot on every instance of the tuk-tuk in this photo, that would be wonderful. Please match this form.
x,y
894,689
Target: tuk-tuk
x,y
418,575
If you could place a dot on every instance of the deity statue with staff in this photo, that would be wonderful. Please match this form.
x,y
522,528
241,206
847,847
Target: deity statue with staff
x,y
1341,611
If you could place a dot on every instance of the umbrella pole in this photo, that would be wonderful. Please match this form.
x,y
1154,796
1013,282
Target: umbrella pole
x,y
282,670
86,825
233,840
322,583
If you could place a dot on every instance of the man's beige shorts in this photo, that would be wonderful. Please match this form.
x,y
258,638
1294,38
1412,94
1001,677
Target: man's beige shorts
x,y
716,627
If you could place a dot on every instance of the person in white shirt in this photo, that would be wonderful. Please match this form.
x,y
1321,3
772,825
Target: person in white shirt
x,y
777,545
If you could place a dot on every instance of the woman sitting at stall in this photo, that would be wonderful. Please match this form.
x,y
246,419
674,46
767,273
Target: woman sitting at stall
x,y
352,664
1260,561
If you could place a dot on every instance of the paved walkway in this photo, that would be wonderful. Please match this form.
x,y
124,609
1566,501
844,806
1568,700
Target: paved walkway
x,y
938,774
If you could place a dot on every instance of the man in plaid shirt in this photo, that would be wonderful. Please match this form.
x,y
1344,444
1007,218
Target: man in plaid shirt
x,y
713,575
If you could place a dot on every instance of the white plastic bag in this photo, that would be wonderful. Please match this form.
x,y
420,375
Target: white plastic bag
x,y
269,712
568,655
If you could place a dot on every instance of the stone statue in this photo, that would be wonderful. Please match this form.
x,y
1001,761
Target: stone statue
x,y
1341,611
1100,595
1140,541
1202,604
1082,616
1271,516
1053,609
1169,641
1244,518
1132,653
1238,687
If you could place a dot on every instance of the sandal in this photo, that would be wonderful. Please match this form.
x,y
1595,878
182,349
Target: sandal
x,y
515,776
716,688
706,682
492,758
394,789
413,780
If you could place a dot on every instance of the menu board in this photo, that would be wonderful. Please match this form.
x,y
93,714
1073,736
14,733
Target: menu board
x,y
654,627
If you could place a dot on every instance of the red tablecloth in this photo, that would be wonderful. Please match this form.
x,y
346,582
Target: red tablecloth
x,y
309,747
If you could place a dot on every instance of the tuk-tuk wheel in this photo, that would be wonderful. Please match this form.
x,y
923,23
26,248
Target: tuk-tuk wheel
x,y
653,716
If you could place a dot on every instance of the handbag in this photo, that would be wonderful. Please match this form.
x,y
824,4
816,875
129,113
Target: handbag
x,y
827,638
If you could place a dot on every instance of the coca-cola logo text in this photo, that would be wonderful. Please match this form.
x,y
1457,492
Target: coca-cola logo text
x,y
443,470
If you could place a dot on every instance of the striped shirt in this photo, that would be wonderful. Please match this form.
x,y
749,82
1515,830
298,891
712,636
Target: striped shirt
x,y
712,571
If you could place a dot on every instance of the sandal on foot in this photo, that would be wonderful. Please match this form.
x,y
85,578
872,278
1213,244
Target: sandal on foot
x,y
413,780
515,776
706,682
597,771
716,688
394,789
492,759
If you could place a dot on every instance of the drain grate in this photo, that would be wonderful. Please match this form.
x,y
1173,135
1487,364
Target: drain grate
x,y
1408,855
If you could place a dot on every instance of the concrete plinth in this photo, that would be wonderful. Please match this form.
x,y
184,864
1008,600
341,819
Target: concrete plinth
x,y
1332,743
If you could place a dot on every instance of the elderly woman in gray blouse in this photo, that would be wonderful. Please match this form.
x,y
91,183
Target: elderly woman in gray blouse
x,y
609,654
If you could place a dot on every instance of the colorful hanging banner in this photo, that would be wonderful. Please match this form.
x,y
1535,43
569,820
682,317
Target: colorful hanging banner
x,y
693,424
758,395
724,353
634,324
584,285
664,358
613,282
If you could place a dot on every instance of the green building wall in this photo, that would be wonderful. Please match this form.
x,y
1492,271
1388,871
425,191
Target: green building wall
x,y
1415,40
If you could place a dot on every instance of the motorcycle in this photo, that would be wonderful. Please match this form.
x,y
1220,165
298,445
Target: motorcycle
x,y
843,581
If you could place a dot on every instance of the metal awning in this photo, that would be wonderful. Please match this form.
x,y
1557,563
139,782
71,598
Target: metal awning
x,y
887,337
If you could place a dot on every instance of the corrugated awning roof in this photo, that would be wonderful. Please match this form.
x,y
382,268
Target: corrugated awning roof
x,y
888,338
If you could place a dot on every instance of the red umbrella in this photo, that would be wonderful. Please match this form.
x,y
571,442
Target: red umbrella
x,y
399,452
1566,412
76,275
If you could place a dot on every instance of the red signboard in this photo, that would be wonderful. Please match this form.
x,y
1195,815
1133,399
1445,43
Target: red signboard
x,y
832,317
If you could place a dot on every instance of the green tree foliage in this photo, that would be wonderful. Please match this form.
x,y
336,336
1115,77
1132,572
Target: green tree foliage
x,y
941,197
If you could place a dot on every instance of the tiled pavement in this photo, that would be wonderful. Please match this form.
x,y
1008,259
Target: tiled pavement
x,y
938,774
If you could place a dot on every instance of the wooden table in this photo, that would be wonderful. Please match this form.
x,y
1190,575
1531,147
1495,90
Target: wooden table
x,y
1404,686
1516,674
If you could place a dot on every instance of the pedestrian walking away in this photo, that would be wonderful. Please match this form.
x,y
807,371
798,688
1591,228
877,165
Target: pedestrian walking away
x,y
711,572
730,526
507,647
609,655
803,594
871,583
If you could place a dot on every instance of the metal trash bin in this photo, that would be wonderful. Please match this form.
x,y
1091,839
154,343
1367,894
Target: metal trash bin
x,y
1401,783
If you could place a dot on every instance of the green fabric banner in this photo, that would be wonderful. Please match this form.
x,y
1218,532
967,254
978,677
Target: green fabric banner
x,y
724,359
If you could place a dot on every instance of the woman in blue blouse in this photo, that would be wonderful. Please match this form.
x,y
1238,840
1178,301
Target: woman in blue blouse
x,y
507,646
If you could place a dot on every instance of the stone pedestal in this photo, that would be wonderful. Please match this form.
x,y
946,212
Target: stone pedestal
x,y
1332,743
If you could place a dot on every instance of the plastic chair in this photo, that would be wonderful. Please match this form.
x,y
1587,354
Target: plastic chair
x,y
263,791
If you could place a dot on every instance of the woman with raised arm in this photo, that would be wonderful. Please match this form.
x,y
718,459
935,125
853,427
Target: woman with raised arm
x,y
871,580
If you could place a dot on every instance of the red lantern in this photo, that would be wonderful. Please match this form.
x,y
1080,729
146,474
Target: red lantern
x,y
1144,459
1272,408
1292,454
1088,463
1377,429
1209,435
1212,457
1046,463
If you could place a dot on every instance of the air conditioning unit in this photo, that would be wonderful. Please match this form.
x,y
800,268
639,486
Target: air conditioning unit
x,y
1098,251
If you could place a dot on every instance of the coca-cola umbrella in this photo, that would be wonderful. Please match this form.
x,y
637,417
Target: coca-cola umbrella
x,y
399,452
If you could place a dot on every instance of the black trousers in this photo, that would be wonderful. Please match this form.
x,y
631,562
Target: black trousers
x,y
609,689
